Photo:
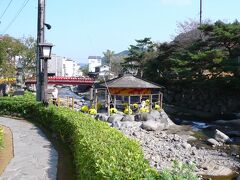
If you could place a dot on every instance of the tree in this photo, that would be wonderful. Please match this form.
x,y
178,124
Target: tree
x,y
224,36
108,55
10,49
139,54
29,56
85,70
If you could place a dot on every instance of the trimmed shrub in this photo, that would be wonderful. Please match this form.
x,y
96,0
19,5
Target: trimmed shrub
x,y
99,151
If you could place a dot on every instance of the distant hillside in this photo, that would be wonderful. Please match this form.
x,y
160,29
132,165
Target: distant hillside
x,y
123,53
83,64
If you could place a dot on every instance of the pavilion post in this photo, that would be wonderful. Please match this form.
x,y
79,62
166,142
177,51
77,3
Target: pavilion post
x,y
91,93
150,103
114,101
159,99
95,99
129,102
108,104
106,96
140,98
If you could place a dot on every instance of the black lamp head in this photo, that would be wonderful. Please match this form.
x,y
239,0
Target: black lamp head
x,y
48,26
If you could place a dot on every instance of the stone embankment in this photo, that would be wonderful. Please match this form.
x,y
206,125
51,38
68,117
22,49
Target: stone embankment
x,y
217,101
163,142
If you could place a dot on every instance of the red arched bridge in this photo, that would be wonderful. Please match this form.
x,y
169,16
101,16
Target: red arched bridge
x,y
58,80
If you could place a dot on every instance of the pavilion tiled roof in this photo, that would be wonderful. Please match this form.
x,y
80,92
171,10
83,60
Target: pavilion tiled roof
x,y
130,81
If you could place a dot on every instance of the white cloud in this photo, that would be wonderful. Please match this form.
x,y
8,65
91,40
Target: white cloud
x,y
177,2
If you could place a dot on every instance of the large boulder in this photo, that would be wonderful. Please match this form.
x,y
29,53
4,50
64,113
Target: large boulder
x,y
115,117
166,121
155,114
146,116
186,145
137,117
221,137
116,124
212,169
128,118
152,125
102,117
131,125
213,142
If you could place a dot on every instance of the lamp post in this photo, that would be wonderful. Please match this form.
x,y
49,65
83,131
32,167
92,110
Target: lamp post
x,y
45,54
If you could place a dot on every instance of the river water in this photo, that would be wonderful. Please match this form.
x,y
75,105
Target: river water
x,y
205,130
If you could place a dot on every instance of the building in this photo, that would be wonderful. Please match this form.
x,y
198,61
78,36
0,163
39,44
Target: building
x,y
68,66
93,62
55,65
61,66
103,70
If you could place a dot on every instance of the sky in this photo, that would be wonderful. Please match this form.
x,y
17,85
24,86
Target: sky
x,y
81,28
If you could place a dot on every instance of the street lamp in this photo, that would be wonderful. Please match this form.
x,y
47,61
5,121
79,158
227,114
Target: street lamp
x,y
45,50
45,54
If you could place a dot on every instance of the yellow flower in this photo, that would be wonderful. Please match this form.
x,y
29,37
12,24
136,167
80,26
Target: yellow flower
x,y
142,110
135,106
147,101
84,109
92,111
157,107
126,111
113,110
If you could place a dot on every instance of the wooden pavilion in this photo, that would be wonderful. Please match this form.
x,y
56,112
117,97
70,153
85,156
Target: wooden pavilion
x,y
128,86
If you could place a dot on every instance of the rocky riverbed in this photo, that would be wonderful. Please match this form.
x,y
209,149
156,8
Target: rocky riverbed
x,y
163,142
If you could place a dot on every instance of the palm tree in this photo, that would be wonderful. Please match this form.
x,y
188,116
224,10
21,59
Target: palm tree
x,y
108,55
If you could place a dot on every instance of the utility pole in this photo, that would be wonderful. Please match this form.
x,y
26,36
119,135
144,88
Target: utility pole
x,y
200,21
40,39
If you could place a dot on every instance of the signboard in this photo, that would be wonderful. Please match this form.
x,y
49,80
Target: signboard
x,y
129,91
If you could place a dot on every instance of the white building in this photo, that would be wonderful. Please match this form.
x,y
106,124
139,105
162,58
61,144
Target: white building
x,y
103,70
68,68
55,65
93,62
61,66
76,70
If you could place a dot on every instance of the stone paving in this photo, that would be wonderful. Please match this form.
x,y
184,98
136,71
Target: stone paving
x,y
34,156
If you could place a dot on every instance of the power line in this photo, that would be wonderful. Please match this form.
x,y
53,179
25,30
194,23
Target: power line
x,y
6,9
16,16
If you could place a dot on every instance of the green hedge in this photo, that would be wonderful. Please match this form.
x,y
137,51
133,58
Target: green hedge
x,y
99,151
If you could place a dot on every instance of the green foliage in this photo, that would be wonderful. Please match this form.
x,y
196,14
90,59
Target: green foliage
x,y
1,137
139,55
211,52
99,151
179,171
108,55
99,105
10,48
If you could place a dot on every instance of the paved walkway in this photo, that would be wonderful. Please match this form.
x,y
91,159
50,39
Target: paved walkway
x,y
34,156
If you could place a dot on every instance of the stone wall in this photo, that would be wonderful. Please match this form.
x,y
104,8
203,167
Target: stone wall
x,y
205,99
